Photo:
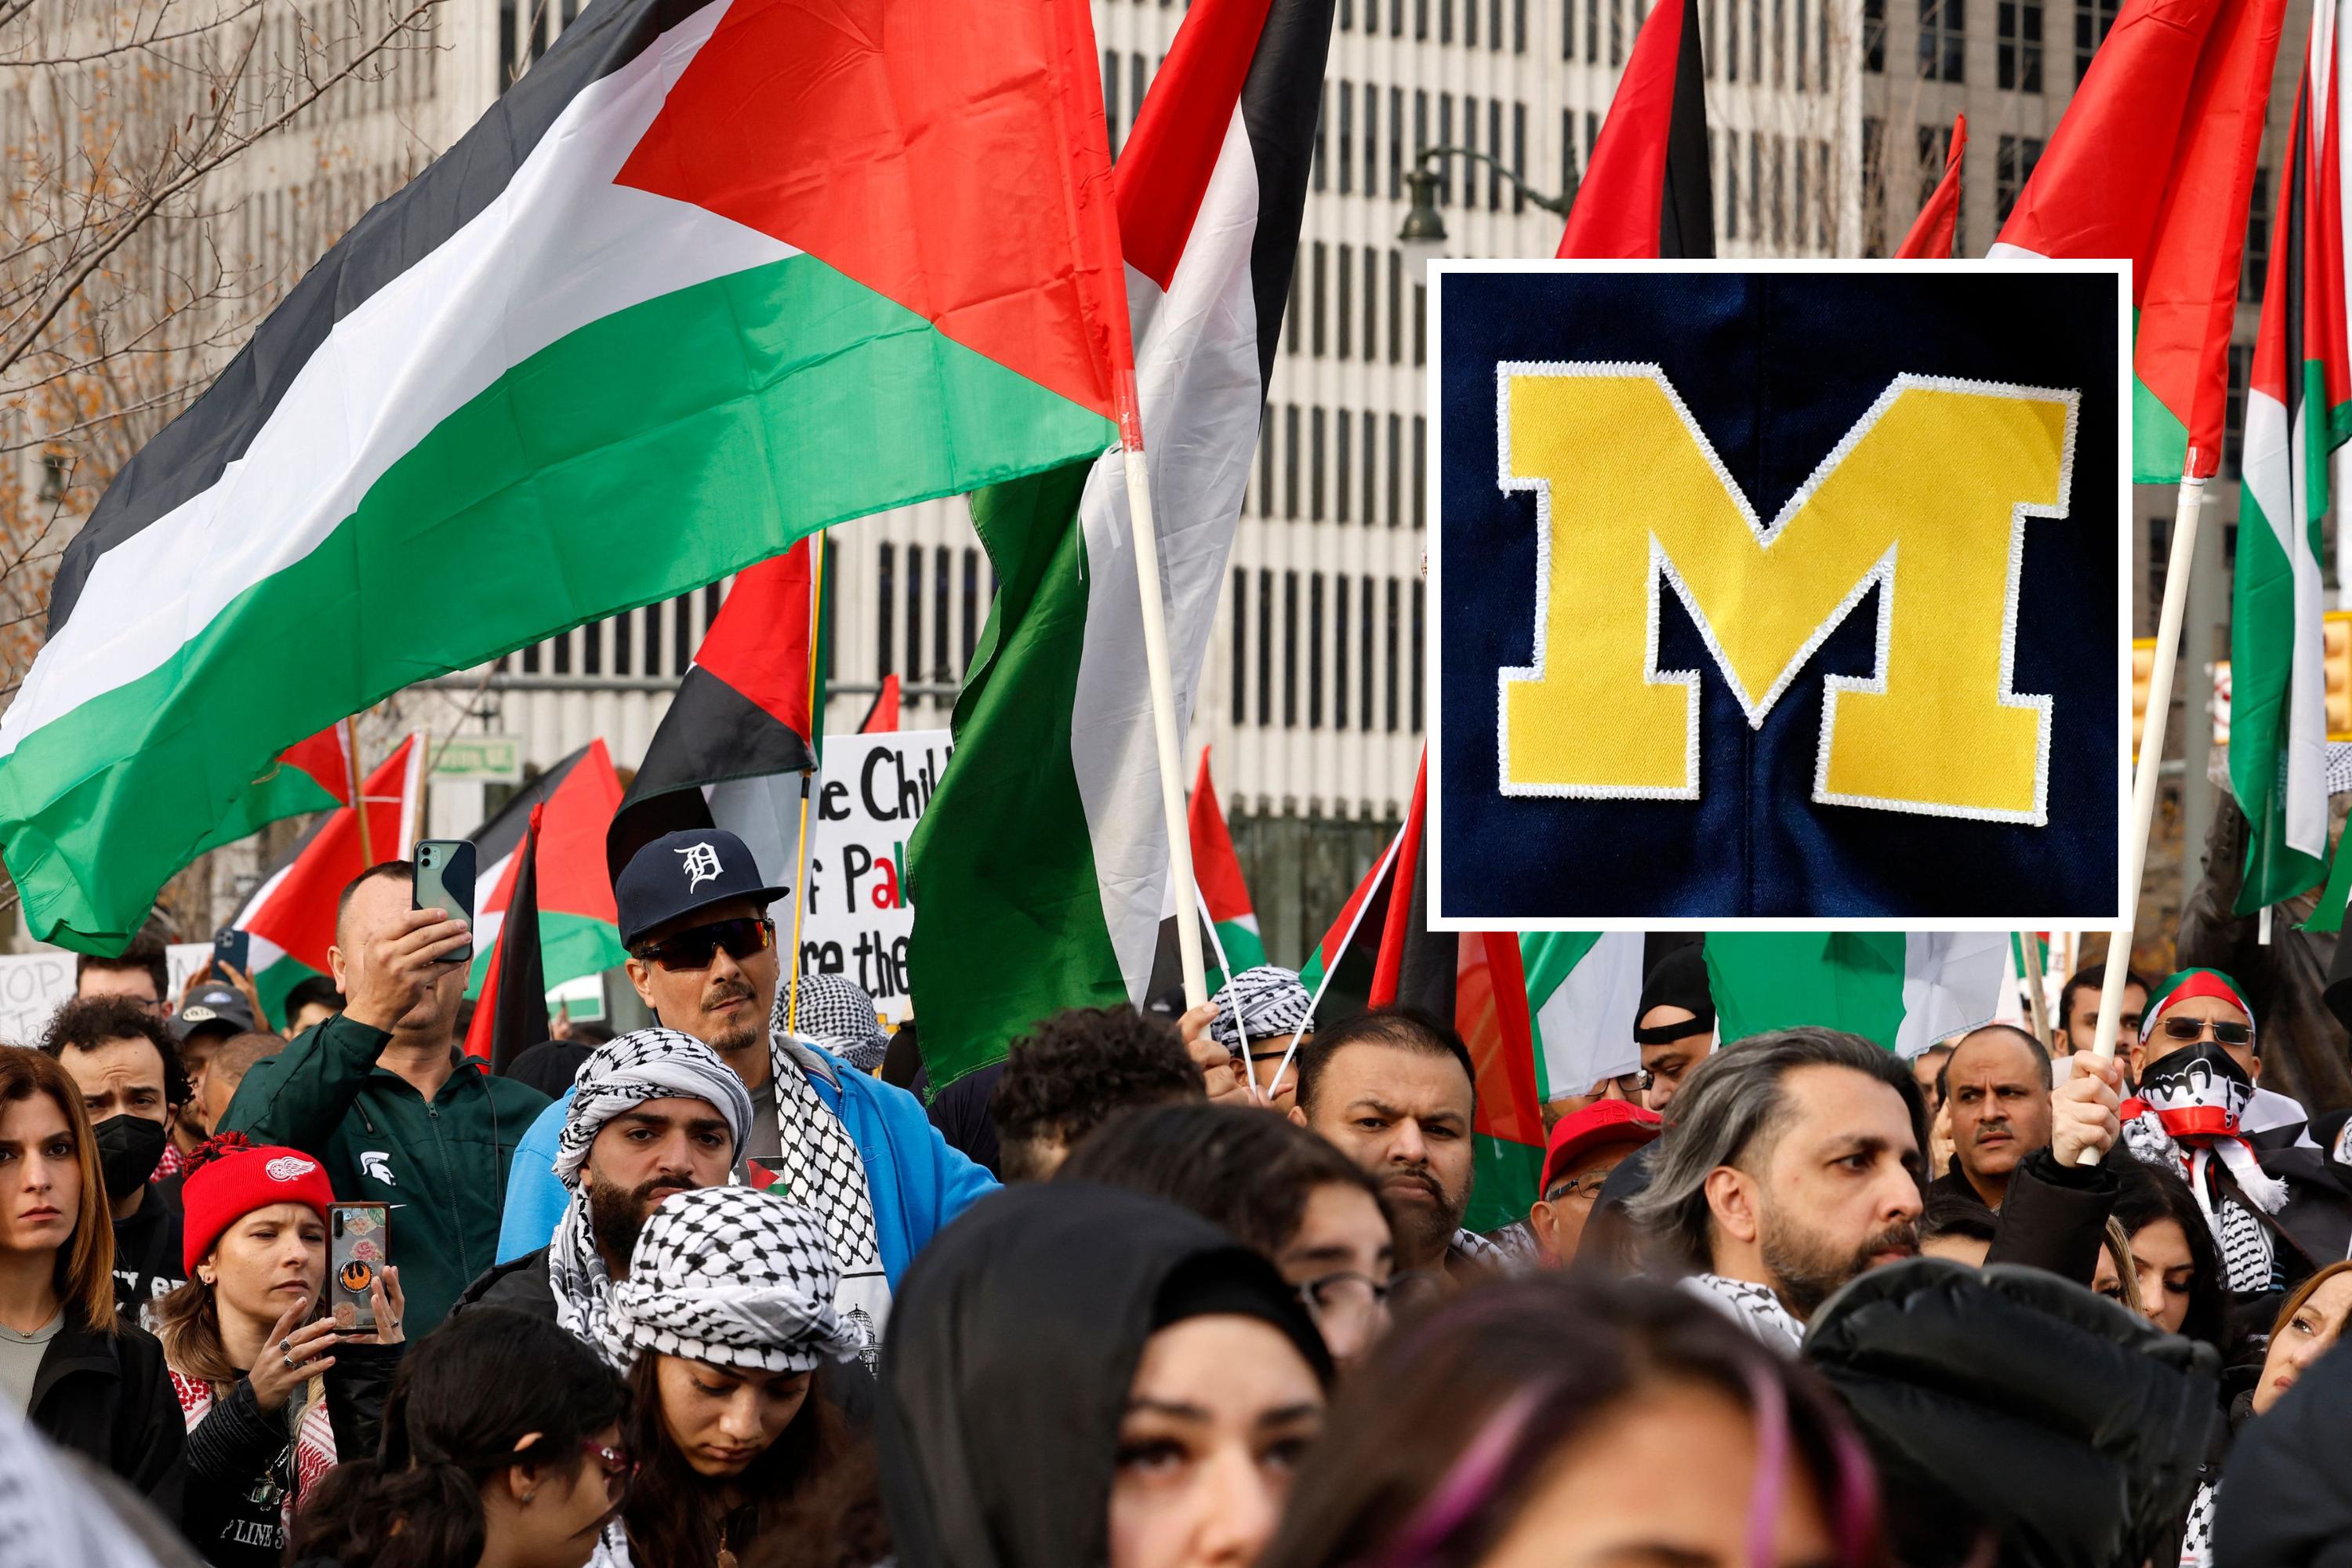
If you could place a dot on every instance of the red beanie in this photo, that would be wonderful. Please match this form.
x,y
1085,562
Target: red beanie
x,y
239,1178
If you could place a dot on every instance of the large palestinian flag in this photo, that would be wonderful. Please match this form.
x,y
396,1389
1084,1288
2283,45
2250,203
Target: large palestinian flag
x,y
2154,161
2298,411
579,926
714,274
1907,990
1648,192
291,916
1040,871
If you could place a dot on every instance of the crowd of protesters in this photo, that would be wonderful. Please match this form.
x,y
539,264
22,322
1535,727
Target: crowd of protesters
x,y
727,1291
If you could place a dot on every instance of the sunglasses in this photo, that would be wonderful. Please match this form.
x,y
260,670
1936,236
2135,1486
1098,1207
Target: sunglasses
x,y
693,947
2223,1034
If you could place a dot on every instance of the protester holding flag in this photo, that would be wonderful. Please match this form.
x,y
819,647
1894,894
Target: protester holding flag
x,y
702,955
1257,1013
381,1095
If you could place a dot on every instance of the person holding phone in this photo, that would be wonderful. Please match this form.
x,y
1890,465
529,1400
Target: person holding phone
x,y
271,1394
382,1096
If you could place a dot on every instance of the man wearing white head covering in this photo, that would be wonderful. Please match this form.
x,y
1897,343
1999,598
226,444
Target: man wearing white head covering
x,y
1258,1011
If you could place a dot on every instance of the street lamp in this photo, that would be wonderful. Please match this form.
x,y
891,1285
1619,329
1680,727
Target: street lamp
x,y
1422,237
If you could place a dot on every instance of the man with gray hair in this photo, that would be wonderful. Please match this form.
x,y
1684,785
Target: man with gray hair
x,y
1791,1164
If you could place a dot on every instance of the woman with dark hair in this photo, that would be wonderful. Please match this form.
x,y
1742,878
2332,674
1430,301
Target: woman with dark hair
x,y
1568,1418
1284,1194
2172,1256
87,1379
725,1316
271,1391
1079,1375
501,1449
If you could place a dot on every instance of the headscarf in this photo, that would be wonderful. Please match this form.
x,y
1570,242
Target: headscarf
x,y
1266,1002
835,1012
650,1063
1678,980
2190,1108
1015,1337
732,1276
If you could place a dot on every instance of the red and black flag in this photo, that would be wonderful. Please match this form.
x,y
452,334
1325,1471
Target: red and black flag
x,y
512,1014
1647,192
745,710
1930,238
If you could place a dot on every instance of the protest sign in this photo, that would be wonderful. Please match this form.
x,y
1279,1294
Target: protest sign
x,y
182,958
33,986
856,920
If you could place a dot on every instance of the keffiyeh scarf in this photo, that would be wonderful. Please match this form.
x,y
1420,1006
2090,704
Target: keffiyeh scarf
x,y
1262,1003
1756,1307
823,1172
2190,1111
650,1064
734,1277
835,1010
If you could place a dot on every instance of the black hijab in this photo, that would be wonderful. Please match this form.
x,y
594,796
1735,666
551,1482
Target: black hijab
x,y
1013,1342
1678,980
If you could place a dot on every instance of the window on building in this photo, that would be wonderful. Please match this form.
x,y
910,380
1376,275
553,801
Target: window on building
x,y
1371,299
1420,475
1518,154
1420,20
1800,211
942,561
1418,596
1293,320
1873,33
1568,176
2091,20
1519,26
1314,465
1419,323
1446,139
1314,650
1567,30
1591,32
1394,628
1802,30
1445,21
2233,431
1780,48
1874,185
1290,461
681,632
1365,637
1754,184
1494,151
1135,81
2258,239
1396,19
1371,140
1265,648
2013,162
1396,461
1343,466
1110,98
1935,150
1469,23
1470,143
1731,186
1238,654
1319,254
1396,142
1616,32
1322,113
1340,651
1943,40
914,612
2017,61
1778,203
1290,651
1731,40
1266,461
1371,427
1347,138
1396,307
1347,302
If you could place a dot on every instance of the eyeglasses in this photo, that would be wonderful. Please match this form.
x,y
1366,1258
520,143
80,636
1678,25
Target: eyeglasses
x,y
1346,1300
1630,1084
1587,1188
2195,1029
693,947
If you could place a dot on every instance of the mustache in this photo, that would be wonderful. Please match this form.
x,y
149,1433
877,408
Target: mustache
x,y
1419,1175
726,990
1902,1236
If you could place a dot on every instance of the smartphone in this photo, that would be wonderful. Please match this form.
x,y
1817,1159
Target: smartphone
x,y
356,1240
234,948
445,880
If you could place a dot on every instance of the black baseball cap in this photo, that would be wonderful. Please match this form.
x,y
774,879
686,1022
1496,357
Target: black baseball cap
x,y
681,872
221,1009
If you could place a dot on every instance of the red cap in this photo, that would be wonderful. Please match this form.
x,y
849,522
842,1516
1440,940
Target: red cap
x,y
1603,1122
236,1181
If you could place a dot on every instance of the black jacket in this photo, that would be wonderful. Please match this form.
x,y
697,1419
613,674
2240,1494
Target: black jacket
x,y
522,1286
235,1449
2054,1217
108,1396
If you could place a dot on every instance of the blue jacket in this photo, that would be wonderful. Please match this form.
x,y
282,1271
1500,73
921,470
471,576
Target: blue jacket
x,y
919,1182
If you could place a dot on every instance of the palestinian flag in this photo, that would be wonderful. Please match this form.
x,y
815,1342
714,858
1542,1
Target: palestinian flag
x,y
1647,193
1218,870
291,916
578,924
1907,990
2154,161
2298,411
883,716
1940,216
515,1017
1040,871
1372,922
1584,997
745,709
664,310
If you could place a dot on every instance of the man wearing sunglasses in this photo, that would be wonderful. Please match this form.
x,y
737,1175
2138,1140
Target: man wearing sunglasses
x,y
2278,1209
703,956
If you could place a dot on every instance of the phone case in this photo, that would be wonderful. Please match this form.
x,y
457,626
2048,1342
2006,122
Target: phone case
x,y
235,948
445,880
357,1236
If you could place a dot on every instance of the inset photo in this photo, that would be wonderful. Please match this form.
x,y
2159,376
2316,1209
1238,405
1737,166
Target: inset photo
x,y
1779,592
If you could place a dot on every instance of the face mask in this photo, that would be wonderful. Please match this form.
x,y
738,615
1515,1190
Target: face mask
x,y
129,1149
2198,1090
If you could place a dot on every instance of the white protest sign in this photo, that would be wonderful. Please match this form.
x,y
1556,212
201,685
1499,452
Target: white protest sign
x,y
32,986
183,959
856,919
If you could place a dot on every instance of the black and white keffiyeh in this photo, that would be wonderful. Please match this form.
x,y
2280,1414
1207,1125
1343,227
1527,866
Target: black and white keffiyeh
x,y
1756,1307
650,1063
835,1010
1264,1003
732,1276
823,1172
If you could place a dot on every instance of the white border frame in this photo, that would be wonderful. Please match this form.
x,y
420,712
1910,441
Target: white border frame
x,y
1882,573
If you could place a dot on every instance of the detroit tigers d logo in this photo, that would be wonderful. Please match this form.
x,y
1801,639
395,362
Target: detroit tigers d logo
x,y
1927,497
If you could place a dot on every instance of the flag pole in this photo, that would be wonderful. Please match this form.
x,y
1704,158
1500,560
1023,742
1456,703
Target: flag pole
x,y
1163,681
2034,966
2151,760
359,788
800,858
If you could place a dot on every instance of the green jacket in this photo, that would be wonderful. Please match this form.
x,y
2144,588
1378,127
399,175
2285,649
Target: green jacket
x,y
443,1164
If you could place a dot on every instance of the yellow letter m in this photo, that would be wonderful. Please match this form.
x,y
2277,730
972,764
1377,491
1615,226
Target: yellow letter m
x,y
1925,499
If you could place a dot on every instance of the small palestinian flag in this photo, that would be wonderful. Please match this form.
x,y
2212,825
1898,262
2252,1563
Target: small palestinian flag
x,y
1904,990
1370,925
513,1015
1648,192
883,716
291,916
1930,238
2154,161
579,926
1218,870
713,275
744,710
1584,992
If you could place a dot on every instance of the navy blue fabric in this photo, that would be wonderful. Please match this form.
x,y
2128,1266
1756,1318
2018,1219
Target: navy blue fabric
x,y
1775,369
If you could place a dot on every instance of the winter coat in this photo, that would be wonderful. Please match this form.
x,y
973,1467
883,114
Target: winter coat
x,y
443,1164
108,1396
2054,1217
2286,1498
